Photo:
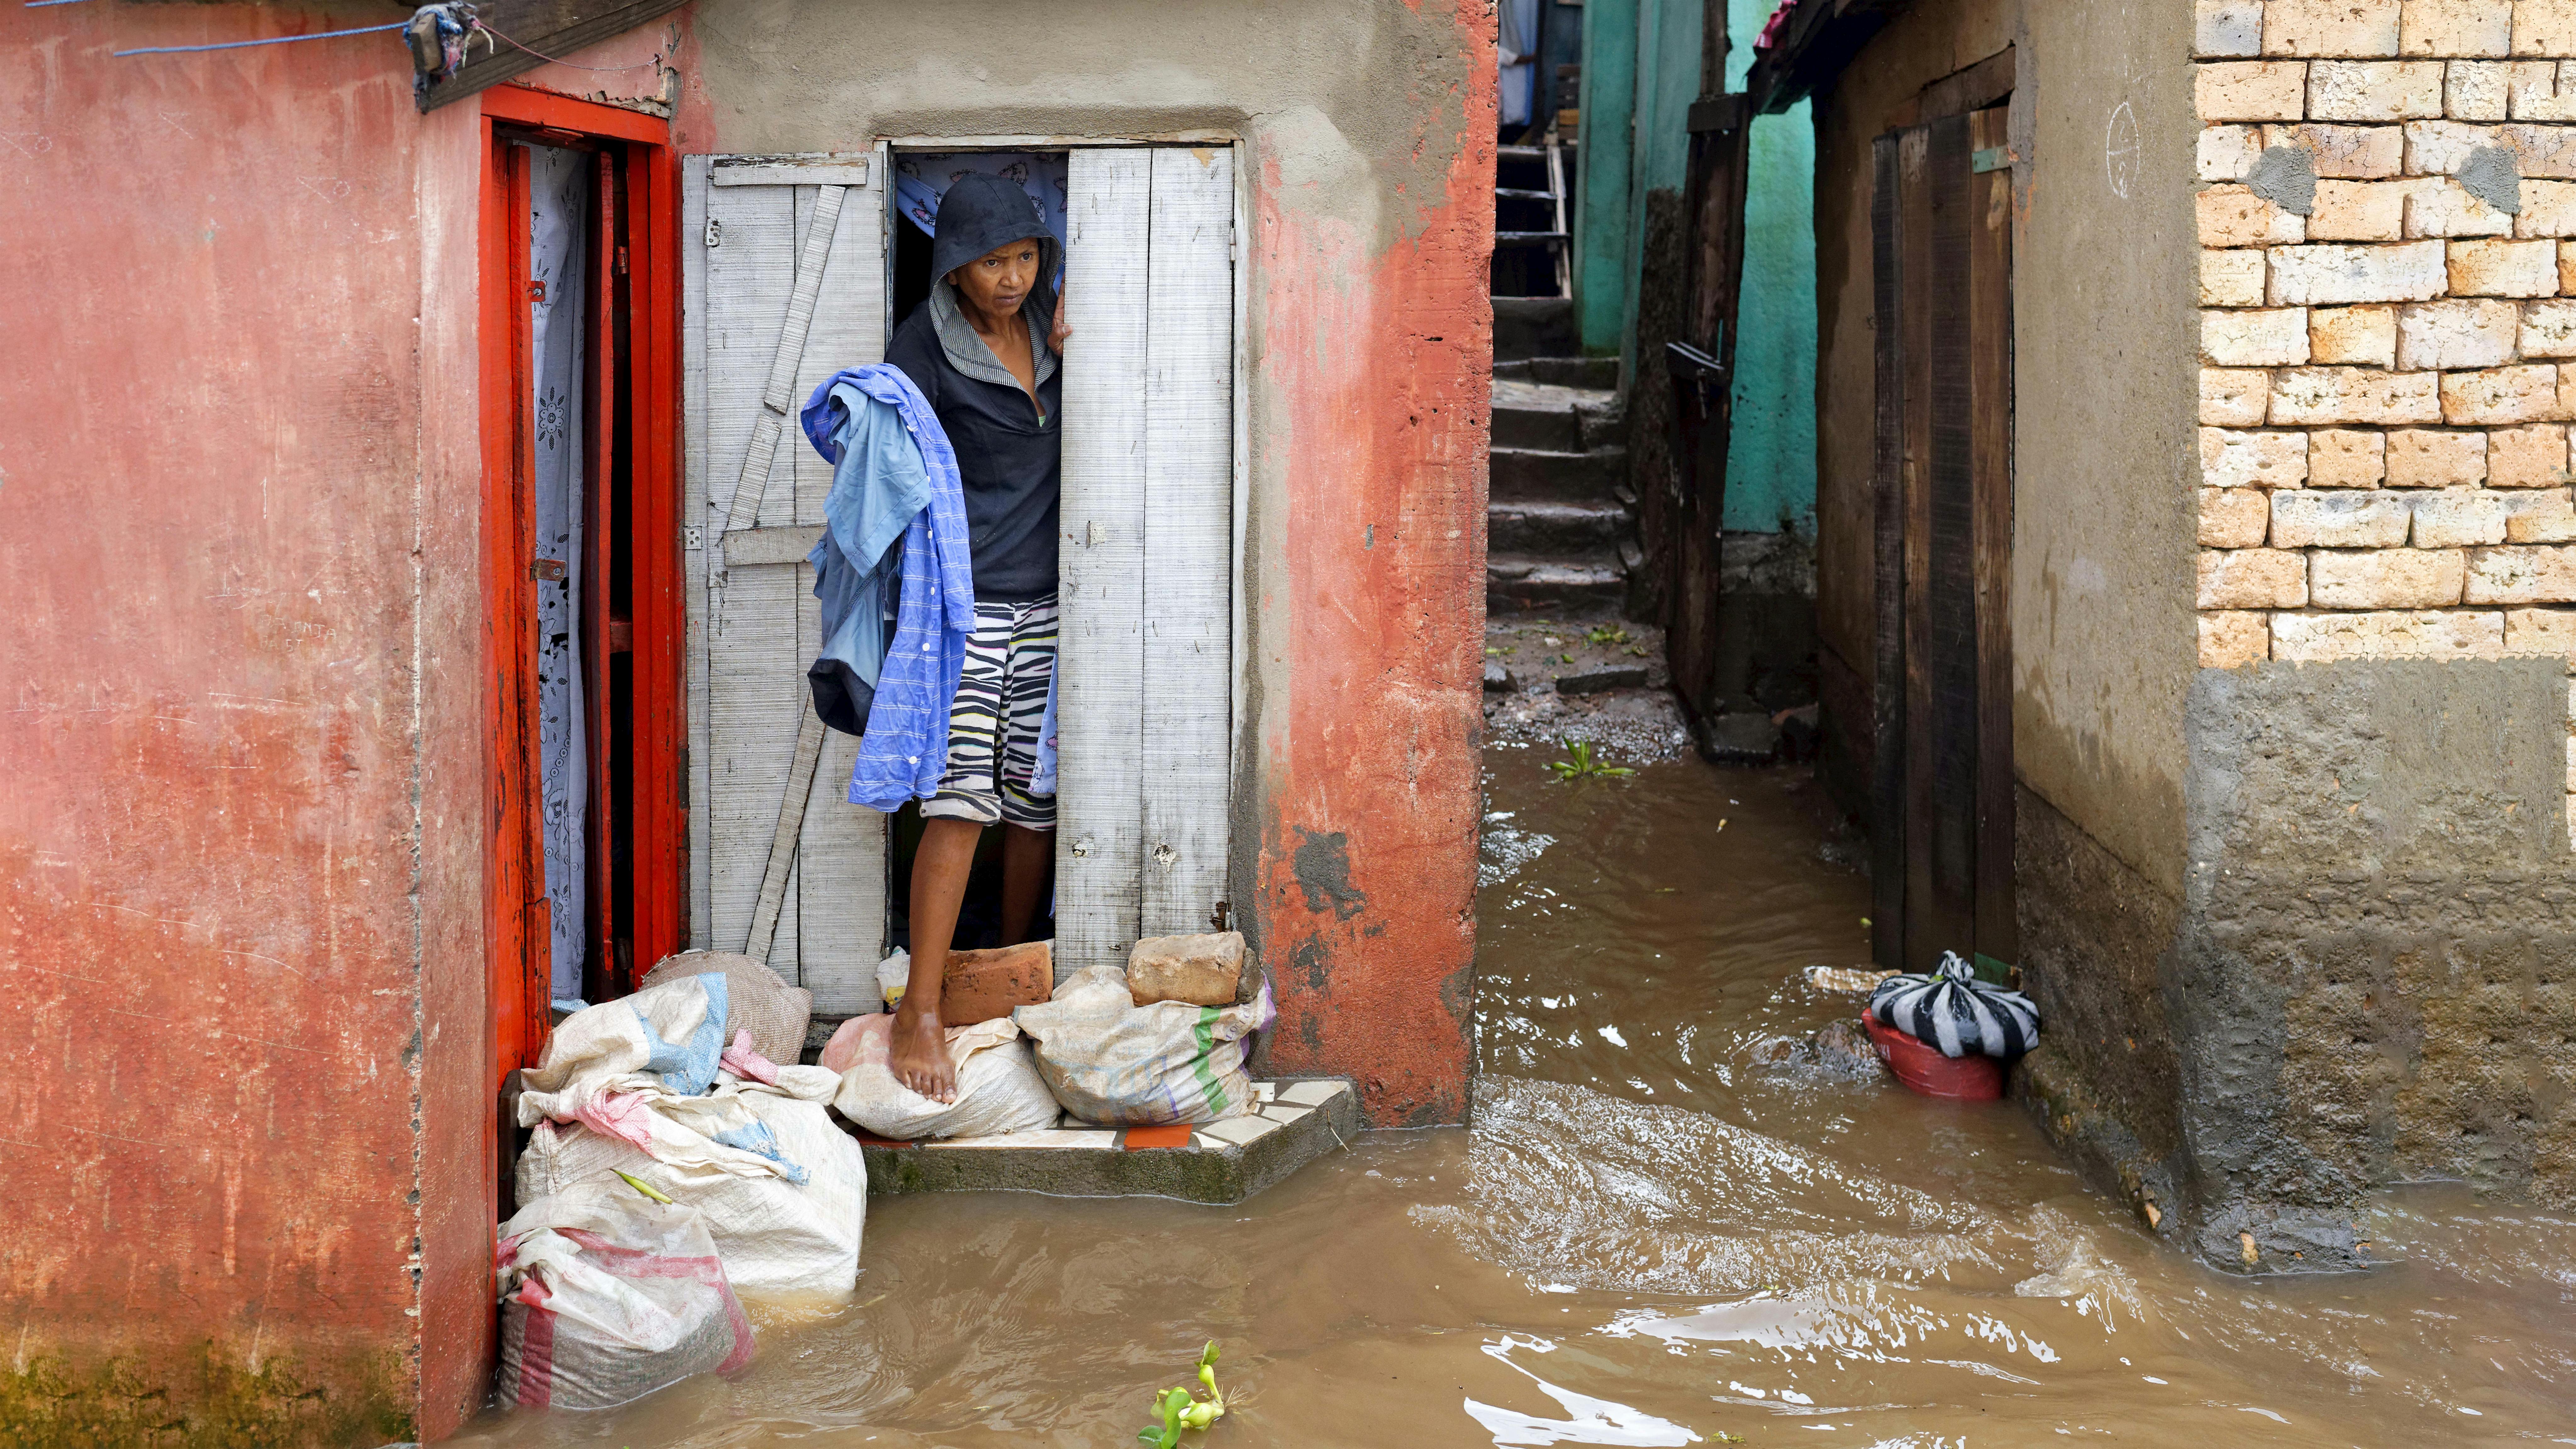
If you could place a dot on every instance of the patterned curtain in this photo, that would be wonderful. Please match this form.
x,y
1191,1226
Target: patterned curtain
x,y
559,192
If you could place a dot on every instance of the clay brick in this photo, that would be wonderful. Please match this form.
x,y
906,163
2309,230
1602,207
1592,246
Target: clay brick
x,y
2251,90
2466,332
2347,458
2519,574
2349,519
2542,90
1202,970
2274,338
2350,153
2385,578
2234,517
2360,210
2532,457
2253,578
2374,90
2233,638
2234,397
2328,273
2353,395
2544,27
2500,268
2230,459
2439,148
2548,209
2546,151
2231,279
2440,206
2324,638
2227,27
2524,394
2457,518
981,985
2477,90
2353,336
2330,27
2455,27
2539,515
2227,153
2543,631
2231,216
2418,458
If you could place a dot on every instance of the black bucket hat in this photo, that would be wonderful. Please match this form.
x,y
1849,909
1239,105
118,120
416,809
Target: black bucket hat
x,y
982,211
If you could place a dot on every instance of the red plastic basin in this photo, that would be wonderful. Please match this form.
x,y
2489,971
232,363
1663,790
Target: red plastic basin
x,y
1920,1066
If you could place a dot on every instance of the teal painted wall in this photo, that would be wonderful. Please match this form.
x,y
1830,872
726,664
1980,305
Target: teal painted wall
x,y
1771,455
1604,257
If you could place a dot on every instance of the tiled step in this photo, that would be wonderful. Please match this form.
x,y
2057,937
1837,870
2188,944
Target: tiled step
x,y
1220,1162
1546,527
1517,582
1546,473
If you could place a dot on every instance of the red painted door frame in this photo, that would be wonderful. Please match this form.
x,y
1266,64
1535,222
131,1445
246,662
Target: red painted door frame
x,y
514,899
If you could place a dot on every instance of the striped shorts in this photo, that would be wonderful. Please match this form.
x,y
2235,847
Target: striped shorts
x,y
993,724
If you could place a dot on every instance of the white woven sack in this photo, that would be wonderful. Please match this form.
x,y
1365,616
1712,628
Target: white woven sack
x,y
606,1296
998,1087
773,1235
1112,1061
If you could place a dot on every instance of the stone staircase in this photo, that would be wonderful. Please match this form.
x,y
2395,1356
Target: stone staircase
x,y
1561,521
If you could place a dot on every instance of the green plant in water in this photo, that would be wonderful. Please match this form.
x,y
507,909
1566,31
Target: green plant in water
x,y
1584,765
1179,1411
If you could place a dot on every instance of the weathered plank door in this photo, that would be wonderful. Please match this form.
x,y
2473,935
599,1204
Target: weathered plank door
x,y
1942,784
785,285
1146,591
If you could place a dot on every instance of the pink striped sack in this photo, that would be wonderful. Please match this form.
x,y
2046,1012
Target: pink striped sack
x,y
607,1296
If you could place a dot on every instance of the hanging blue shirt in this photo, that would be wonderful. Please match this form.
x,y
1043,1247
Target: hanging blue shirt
x,y
904,754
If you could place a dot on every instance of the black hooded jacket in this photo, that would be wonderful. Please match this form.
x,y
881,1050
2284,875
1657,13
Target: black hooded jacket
x,y
1008,454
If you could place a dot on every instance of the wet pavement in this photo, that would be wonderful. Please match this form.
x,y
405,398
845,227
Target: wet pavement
x,y
1650,1237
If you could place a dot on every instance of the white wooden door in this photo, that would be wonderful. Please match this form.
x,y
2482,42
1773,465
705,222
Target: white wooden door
x,y
1146,591
785,285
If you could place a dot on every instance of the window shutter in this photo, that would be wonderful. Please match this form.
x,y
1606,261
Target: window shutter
x,y
785,286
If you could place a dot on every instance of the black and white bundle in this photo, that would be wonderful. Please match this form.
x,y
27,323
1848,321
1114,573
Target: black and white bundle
x,y
1954,1011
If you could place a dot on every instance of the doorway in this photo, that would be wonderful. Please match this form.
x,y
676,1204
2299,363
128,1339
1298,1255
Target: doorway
x,y
1942,784
580,559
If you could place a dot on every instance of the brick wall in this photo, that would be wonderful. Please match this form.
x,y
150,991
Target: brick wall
x,y
2387,217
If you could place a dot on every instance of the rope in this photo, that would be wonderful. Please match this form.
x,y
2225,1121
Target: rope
x,y
239,44
550,60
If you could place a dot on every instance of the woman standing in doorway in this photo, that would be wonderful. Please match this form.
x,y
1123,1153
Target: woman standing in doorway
x,y
976,352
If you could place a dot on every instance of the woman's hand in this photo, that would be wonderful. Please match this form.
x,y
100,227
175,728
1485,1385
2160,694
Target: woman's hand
x,y
1058,334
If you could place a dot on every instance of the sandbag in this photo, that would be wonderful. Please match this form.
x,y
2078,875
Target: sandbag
x,y
757,999
772,1233
1109,1060
1953,1012
607,1296
672,1034
998,1087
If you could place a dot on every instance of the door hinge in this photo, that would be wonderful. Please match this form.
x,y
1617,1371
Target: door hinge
x,y
693,537
1993,158
547,569
621,261
715,231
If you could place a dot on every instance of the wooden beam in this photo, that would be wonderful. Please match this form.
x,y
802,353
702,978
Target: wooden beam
x,y
1822,37
544,30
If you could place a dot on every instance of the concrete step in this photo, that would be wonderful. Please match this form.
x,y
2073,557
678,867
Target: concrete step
x,y
1520,582
1553,417
1547,473
1528,327
1550,527
1589,372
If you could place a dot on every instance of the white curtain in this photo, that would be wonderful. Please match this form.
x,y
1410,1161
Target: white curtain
x,y
559,196
1518,55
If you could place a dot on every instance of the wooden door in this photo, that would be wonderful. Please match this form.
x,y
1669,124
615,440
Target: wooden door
x,y
1941,220
1146,644
785,285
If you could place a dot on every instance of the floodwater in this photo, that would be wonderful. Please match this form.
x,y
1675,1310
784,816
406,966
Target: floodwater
x,y
1649,1237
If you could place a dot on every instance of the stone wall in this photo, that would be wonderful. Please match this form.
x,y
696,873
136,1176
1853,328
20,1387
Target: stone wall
x,y
2387,216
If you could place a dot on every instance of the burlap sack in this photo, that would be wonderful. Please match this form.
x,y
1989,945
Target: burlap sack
x,y
757,1001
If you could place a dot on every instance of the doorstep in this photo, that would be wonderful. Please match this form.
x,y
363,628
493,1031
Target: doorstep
x,y
1298,1121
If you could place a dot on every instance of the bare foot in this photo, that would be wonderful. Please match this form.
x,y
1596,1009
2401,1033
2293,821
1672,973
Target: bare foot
x,y
918,1055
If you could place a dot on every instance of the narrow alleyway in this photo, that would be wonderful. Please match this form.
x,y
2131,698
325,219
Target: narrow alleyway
x,y
1667,1225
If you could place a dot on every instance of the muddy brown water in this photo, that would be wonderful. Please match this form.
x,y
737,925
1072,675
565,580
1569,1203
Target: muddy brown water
x,y
1649,1237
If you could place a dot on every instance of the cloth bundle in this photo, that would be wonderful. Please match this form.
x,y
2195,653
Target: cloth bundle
x,y
1952,1010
